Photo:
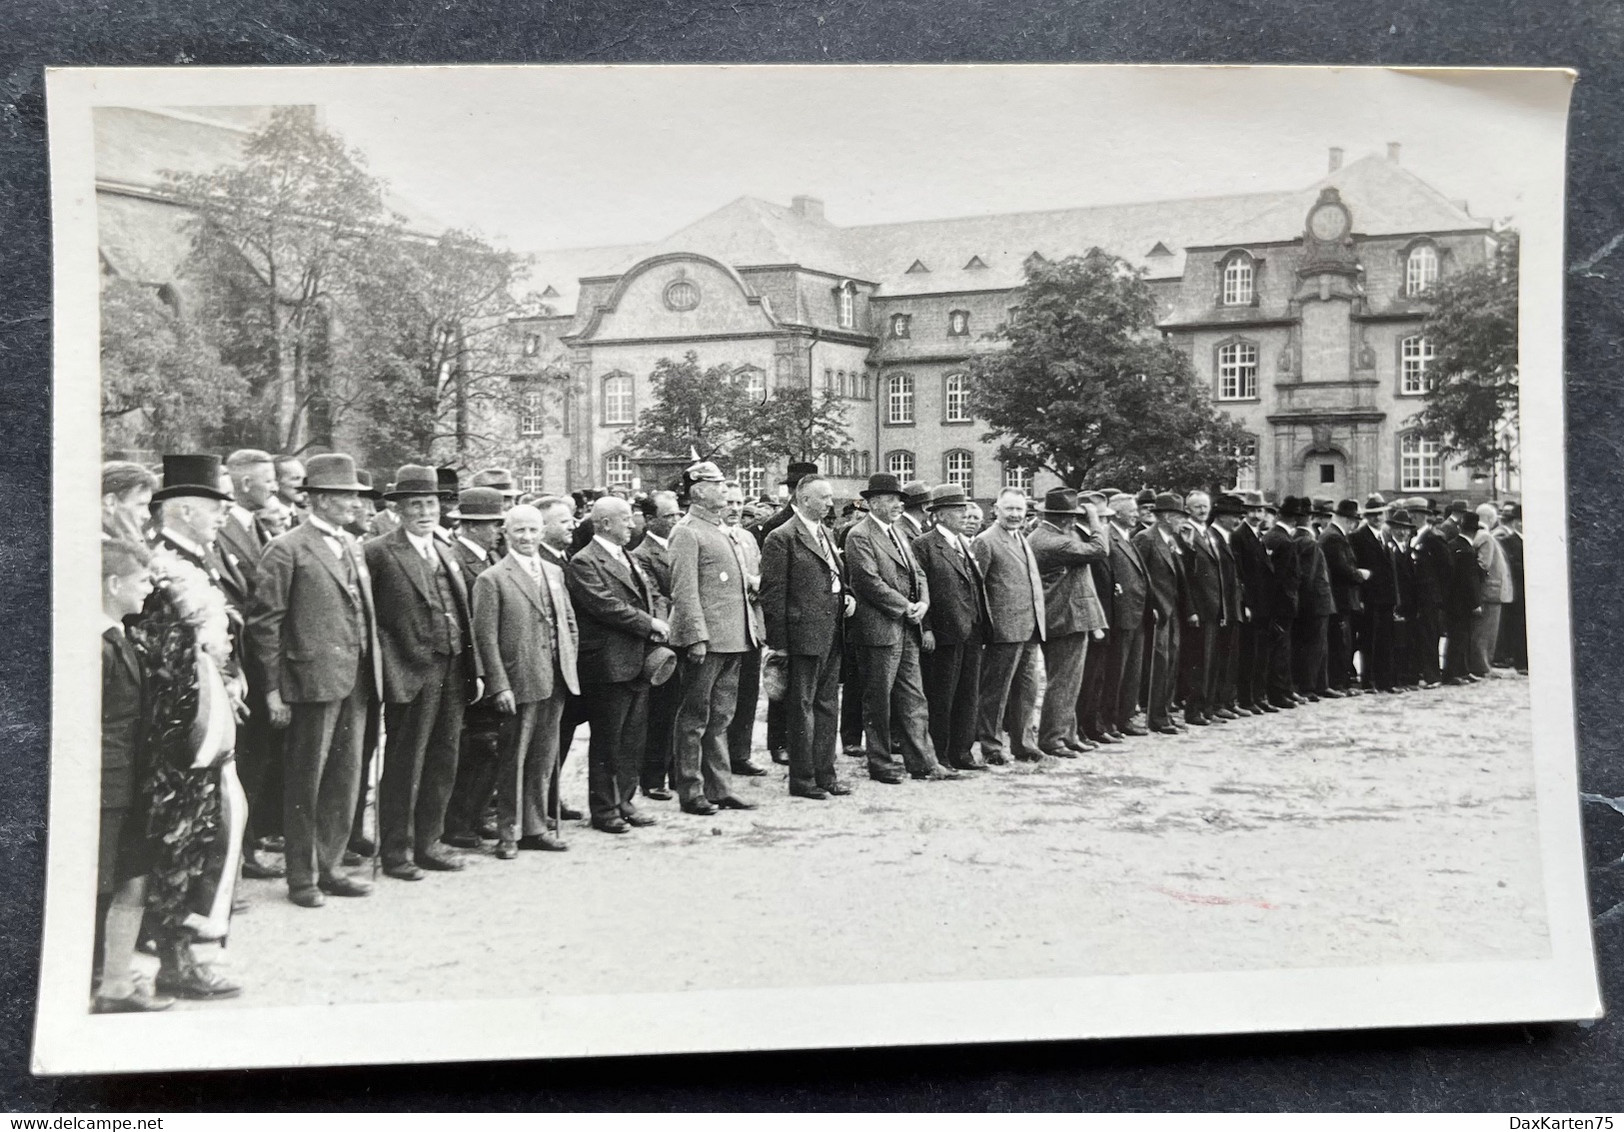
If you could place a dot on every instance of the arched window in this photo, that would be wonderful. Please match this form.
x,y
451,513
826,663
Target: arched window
x,y
530,478
532,412
1420,269
1244,456
846,304
1415,355
617,399
1018,478
1238,276
1420,465
867,468
900,464
900,400
959,467
956,398
617,470
1237,371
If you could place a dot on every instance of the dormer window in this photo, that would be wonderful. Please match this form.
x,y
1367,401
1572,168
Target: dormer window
x,y
1420,269
899,325
958,323
1238,277
846,304
976,264
917,268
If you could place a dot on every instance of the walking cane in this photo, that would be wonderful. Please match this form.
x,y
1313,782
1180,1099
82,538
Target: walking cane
x,y
377,813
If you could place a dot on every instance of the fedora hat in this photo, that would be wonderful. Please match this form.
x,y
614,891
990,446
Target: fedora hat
x,y
1144,497
1323,505
1400,518
1061,501
1457,507
194,474
371,492
498,478
1349,509
447,483
946,495
658,665
1375,503
915,493
1168,501
1292,507
414,479
1228,503
1418,504
882,483
332,471
478,504
1253,500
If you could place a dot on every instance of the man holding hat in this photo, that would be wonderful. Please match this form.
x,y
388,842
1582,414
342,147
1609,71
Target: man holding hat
x,y
954,628
315,632
431,672
1065,543
892,600
1169,604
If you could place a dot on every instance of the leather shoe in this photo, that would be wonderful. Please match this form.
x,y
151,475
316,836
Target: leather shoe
x,y
1061,753
659,794
1105,738
1135,730
937,774
365,846
749,770
1195,719
639,820
256,868
439,862
611,825
542,841
836,789
507,850
699,809
1167,729
344,886
888,779
307,897
732,803
402,870
196,981
996,759
815,794
1333,694
462,840
970,766
138,1001
567,814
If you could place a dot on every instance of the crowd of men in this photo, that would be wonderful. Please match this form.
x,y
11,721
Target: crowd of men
x,y
433,647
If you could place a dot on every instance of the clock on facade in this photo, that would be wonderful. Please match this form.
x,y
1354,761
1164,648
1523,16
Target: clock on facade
x,y
1329,221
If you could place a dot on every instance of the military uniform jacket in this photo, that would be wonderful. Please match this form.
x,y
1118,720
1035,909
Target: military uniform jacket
x,y
885,580
710,601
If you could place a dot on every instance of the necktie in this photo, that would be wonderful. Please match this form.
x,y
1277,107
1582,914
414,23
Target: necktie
x,y
533,567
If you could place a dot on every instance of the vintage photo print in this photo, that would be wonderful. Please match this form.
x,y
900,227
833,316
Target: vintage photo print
x,y
618,560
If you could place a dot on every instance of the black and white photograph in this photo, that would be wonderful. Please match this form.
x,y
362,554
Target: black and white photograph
x,y
619,560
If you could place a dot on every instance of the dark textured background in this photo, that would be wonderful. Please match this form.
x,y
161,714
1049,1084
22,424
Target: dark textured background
x,y
1517,1069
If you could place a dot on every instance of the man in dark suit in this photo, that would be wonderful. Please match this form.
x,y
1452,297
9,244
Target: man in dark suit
x,y
1512,650
955,628
1092,721
1465,601
614,611
1198,646
1433,571
1066,543
805,600
1125,639
1347,576
315,633
656,778
1228,514
1378,597
1009,662
1396,537
777,736
1315,603
525,633
476,544
892,600
1257,588
1286,596
914,521
1169,601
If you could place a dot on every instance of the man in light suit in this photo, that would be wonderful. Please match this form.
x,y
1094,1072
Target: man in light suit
x,y
654,556
525,633
1015,633
614,612
1073,616
314,631
710,621
892,600
741,732
806,601
955,628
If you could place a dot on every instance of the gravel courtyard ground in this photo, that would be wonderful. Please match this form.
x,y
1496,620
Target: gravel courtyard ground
x,y
1382,829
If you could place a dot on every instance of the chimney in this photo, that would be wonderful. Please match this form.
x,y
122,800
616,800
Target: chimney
x,y
1336,158
807,208
1392,152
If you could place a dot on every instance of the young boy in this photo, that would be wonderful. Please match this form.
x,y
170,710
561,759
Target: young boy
x,y
124,856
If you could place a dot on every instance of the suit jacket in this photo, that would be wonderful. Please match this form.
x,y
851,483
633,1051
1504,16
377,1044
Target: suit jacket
x,y
1064,559
1229,574
655,561
308,632
1204,575
771,523
1169,589
1256,572
1014,587
523,631
1285,595
1496,571
804,612
1342,567
1465,578
1511,544
473,565
123,707
1315,598
1370,553
1128,573
401,590
226,577
750,555
241,547
884,580
614,612
958,593
1434,569
710,600
1404,580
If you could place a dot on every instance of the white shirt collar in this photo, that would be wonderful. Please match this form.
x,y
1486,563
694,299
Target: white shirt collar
x,y
243,515
616,552
425,546
526,560
662,542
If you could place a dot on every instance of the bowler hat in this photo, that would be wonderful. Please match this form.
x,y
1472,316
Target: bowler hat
x,y
658,665
1322,505
196,474
1144,497
414,479
797,472
946,495
882,483
915,493
1400,518
1168,501
371,492
1348,509
1229,503
1061,501
446,479
1375,503
478,504
332,471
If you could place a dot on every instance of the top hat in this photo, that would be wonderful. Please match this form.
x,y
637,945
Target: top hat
x,y
1375,504
192,474
1168,501
1510,512
1229,503
479,504
1144,497
882,483
705,472
415,479
797,472
1061,501
498,478
372,493
1400,518
946,495
915,493
332,471
1349,509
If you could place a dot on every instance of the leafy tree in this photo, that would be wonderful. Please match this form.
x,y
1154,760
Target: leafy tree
x,y
796,424
164,387
1474,394
1078,382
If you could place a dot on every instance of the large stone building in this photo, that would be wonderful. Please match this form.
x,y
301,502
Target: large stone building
x,y
1302,309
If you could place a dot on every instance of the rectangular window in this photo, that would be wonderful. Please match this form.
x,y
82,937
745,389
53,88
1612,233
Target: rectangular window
x,y
530,478
1238,281
1237,372
1420,270
961,470
1415,356
750,481
1420,465
848,304
617,470
617,400
900,405
1018,478
532,407
956,398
